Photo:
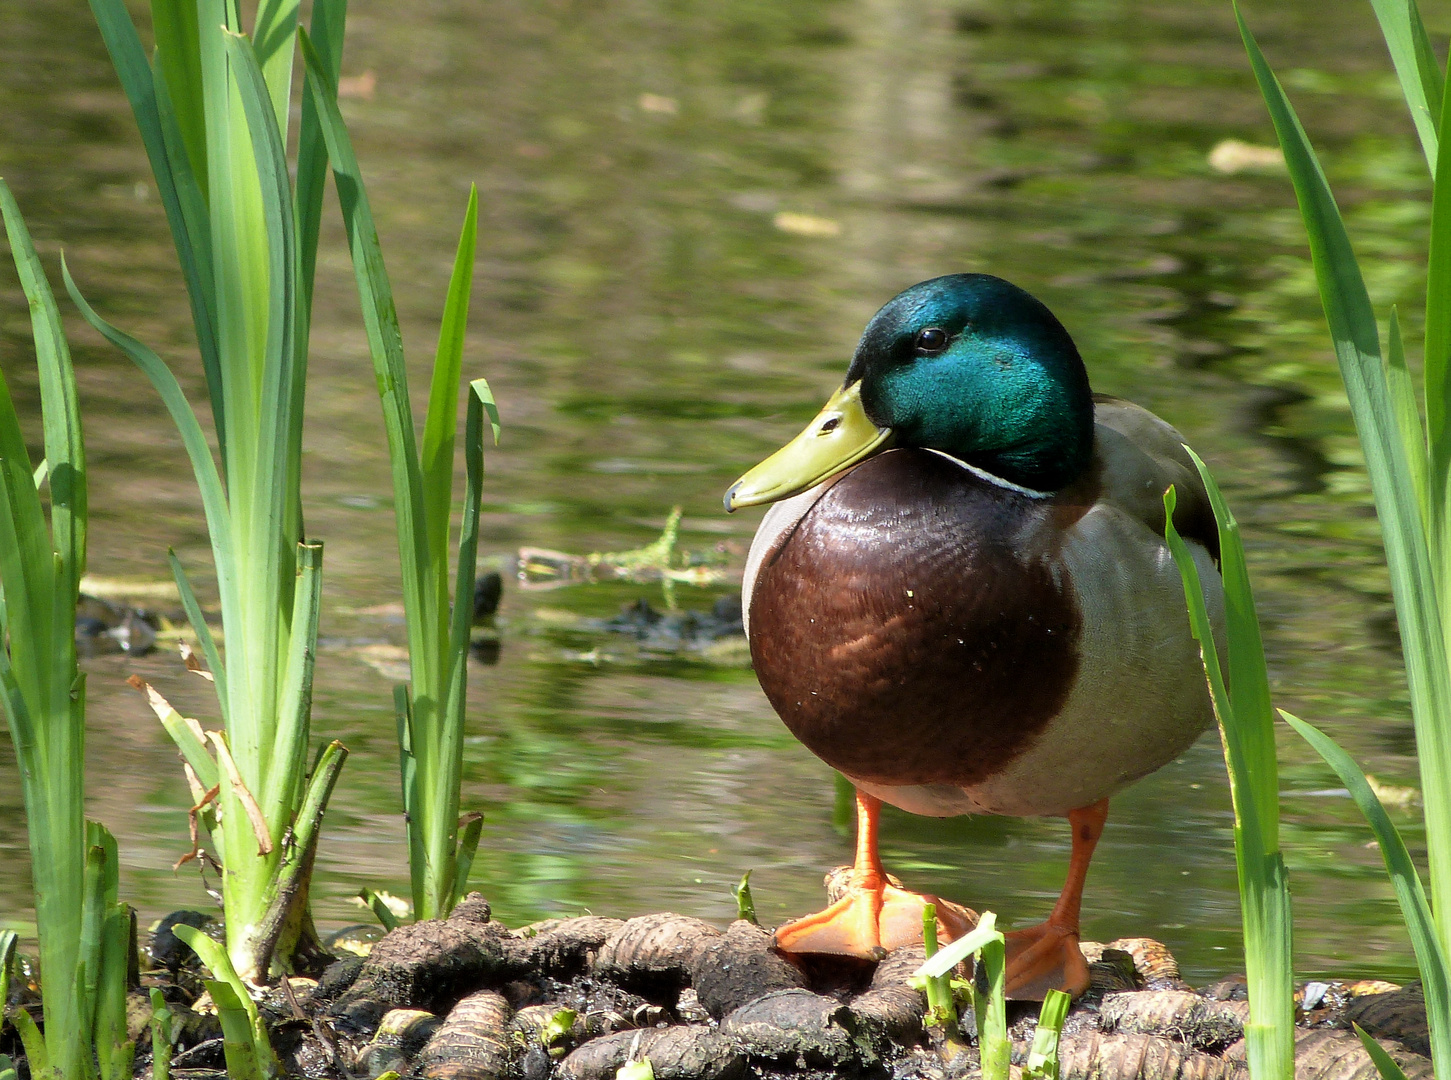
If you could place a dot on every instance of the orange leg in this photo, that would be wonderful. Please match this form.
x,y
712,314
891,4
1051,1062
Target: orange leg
x,y
1047,957
874,916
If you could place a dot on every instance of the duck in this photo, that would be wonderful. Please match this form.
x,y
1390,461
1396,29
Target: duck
x,y
961,599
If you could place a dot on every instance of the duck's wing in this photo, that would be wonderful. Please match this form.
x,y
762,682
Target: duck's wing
x,y
1137,457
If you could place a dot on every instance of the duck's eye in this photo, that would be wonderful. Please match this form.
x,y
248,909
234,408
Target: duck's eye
x,y
931,340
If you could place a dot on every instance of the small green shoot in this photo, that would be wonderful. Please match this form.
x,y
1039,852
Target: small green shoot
x,y
941,1011
1384,1063
8,941
161,1037
989,1001
245,1058
555,1029
379,907
745,902
249,1041
1042,1063
1246,729
7,1069
636,1070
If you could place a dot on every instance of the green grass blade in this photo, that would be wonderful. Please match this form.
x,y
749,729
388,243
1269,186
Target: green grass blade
x,y
1384,1063
1353,330
442,417
186,740
284,780
1430,954
1247,673
64,450
8,1071
275,512
37,1054
161,1041
178,58
329,18
385,339
380,909
745,901
471,828
114,1050
9,939
193,246
1042,1063
100,872
1438,326
274,34
1416,67
408,783
138,81
209,481
988,1000
1247,732
1402,390
203,632
954,953
214,955
236,1012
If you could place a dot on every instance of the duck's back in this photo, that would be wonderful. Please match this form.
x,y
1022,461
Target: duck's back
x,y
955,645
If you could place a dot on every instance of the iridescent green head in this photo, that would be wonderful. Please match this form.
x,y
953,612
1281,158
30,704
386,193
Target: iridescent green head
x,y
967,364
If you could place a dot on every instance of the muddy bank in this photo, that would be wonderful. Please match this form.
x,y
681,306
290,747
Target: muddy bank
x,y
469,999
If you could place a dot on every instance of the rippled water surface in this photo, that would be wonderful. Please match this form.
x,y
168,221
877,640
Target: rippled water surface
x,y
651,330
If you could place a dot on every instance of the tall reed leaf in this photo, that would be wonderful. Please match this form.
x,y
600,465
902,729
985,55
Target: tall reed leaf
x,y
431,709
1415,580
1246,728
1416,67
214,114
82,925
1430,954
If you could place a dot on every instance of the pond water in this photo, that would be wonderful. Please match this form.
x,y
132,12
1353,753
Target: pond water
x,y
652,326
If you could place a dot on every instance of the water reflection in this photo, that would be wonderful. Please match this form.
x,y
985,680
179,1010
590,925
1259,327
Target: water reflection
x,y
651,322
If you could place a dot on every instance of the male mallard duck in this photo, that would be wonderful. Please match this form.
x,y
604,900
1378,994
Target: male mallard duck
x,y
962,599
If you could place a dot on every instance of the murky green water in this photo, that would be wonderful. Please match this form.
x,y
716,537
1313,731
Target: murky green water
x,y
650,332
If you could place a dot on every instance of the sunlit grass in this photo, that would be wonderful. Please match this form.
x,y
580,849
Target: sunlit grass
x,y
85,932
1247,732
213,109
1408,459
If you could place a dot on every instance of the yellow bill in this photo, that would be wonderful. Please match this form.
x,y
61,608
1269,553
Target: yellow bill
x,y
840,436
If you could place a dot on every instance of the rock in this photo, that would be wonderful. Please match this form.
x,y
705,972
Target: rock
x,y
654,955
739,967
1153,962
488,591
1229,988
692,1052
563,948
170,951
1111,973
472,1043
338,977
891,1010
791,1025
1399,1015
1140,1057
1330,1054
1178,1014
431,964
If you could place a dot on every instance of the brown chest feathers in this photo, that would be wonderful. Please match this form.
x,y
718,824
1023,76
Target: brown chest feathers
x,y
910,629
